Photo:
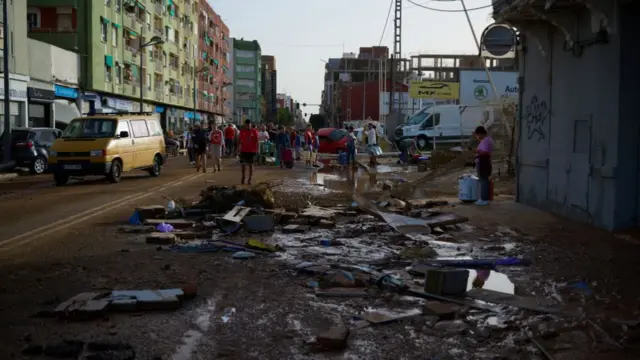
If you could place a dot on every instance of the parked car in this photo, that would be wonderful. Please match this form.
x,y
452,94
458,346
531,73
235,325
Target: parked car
x,y
108,145
332,140
30,147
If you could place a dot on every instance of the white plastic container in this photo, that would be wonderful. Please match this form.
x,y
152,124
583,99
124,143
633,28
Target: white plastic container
x,y
468,188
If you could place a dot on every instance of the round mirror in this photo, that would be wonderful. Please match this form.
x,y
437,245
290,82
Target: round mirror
x,y
498,40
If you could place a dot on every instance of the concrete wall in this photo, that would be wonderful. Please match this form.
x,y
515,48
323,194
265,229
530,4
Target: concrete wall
x,y
18,49
573,135
40,61
66,66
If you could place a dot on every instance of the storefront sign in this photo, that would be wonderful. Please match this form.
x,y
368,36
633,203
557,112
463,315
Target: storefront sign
x,y
41,94
17,90
476,89
66,92
441,90
119,104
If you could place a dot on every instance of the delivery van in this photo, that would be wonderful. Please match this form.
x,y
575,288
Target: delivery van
x,y
444,124
108,145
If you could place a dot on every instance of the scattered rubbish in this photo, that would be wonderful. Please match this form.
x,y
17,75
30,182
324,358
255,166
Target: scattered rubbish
x,y
237,214
243,255
582,286
385,317
93,305
161,238
175,223
333,339
164,228
342,292
228,313
259,223
522,302
221,199
446,281
260,245
171,206
135,219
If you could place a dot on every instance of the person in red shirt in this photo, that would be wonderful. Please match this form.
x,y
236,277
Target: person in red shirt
x,y
229,136
248,149
216,147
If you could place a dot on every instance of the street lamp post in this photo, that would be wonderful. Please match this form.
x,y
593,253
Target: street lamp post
x,y
156,40
195,87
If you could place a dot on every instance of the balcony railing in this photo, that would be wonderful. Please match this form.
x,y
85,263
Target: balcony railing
x,y
159,8
159,96
131,21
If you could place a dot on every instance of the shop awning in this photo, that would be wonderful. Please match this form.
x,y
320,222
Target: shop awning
x,y
108,60
65,110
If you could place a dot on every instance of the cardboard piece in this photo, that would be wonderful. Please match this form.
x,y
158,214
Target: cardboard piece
x,y
236,214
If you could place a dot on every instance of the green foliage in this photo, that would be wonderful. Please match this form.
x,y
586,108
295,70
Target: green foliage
x,y
317,121
284,117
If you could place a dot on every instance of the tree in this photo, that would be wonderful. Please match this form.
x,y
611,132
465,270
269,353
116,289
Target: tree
x,y
284,117
317,121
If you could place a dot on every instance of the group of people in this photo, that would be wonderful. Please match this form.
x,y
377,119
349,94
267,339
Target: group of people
x,y
208,141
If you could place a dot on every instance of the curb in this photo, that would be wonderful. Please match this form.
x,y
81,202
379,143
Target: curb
x,y
8,176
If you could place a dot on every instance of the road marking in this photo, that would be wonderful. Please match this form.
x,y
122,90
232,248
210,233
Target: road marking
x,y
34,234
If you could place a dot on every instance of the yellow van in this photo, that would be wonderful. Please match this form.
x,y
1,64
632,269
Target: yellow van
x,y
108,144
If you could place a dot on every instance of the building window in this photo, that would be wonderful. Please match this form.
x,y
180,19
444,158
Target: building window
x,y
118,73
114,35
245,82
64,18
103,30
245,54
107,73
246,68
107,3
118,5
33,18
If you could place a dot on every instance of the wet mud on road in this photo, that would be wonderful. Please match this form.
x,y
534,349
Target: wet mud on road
x,y
339,273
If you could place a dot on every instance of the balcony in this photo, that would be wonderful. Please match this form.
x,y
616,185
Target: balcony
x,y
157,31
159,8
158,93
131,20
130,55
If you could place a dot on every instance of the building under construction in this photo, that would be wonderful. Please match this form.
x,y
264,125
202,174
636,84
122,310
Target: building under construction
x,y
355,83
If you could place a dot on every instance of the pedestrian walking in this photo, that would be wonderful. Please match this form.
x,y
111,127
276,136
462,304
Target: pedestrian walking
x,y
248,146
351,146
216,148
188,138
298,146
308,145
483,164
316,147
200,147
372,143
283,142
229,136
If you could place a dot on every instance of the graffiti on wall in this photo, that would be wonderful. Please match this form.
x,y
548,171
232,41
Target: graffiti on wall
x,y
535,117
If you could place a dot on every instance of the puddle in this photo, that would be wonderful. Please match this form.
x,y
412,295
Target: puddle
x,y
192,337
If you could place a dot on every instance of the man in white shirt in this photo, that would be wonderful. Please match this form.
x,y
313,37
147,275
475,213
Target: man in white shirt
x,y
372,144
263,134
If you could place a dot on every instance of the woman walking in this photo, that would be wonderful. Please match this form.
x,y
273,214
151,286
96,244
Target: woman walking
x,y
483,164
216,147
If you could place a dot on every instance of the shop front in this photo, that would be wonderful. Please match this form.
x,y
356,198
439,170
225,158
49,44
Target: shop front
x,y
41,107
64,105
18,101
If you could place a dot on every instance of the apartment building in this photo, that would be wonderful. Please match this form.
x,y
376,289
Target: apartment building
x,y
18,67
131,50
269,87
212,69
247,80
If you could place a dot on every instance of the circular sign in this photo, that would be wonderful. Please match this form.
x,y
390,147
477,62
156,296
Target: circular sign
x,y
480,92
499,39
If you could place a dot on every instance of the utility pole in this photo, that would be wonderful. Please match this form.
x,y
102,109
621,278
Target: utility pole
x,y
396,58
7,87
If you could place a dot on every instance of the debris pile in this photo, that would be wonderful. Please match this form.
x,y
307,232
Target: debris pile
x,y
220,199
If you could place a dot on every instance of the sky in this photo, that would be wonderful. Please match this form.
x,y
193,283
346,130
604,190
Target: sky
x,y
303,33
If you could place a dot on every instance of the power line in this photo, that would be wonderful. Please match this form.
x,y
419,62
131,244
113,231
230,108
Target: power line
x,y
449,11
386,22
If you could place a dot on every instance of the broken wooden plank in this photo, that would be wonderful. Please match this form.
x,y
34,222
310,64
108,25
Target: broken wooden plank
x,y
521,302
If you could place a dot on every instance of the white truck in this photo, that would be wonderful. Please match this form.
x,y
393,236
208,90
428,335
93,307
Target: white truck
x,y
443,124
